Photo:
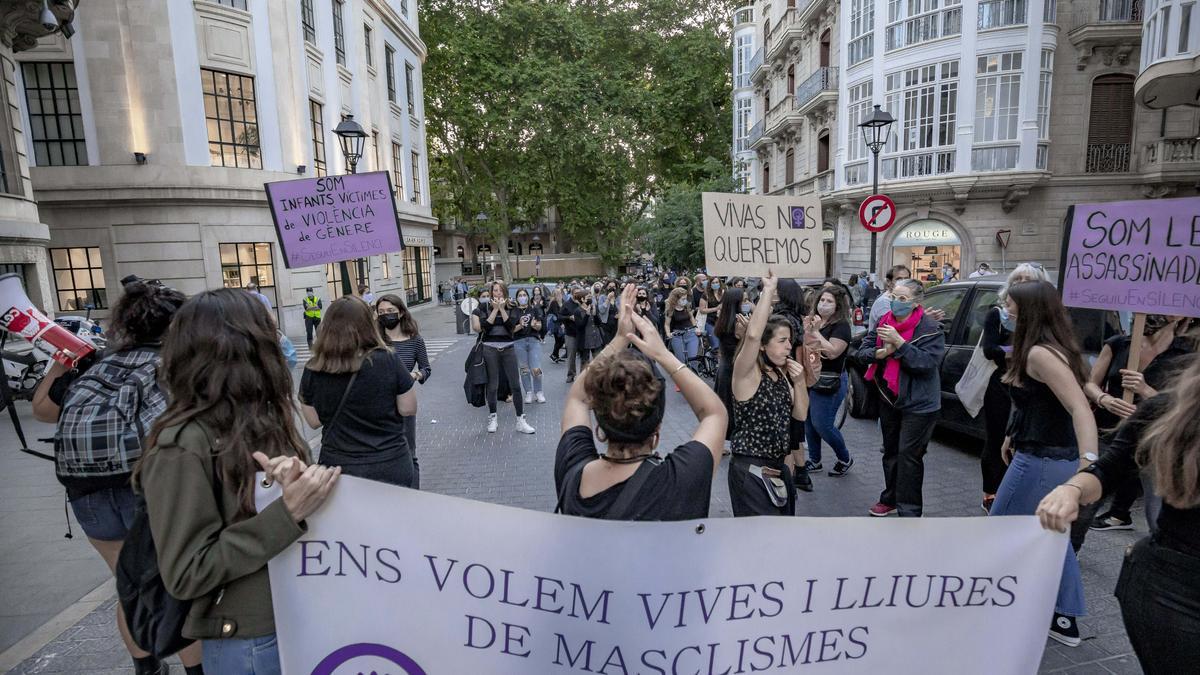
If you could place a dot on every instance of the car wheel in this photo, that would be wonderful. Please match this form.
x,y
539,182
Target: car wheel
x,y
862,405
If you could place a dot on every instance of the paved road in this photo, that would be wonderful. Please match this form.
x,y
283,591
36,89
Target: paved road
x,y
459,458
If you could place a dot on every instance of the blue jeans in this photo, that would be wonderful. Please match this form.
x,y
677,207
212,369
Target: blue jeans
x,y
710,332
529,359
822,423
248,656
685,344
1026,482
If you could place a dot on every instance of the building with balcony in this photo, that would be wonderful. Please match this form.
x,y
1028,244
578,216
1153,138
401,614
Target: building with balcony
x,y
1007,112
151,132
746,58
1170,73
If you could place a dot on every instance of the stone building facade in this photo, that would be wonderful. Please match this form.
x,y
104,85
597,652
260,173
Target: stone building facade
x,y
153,129
1007,112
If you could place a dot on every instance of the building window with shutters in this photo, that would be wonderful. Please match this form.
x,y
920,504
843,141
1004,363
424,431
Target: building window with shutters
x,y
766,178
789,166
823,151
1110,124
791,80
316,119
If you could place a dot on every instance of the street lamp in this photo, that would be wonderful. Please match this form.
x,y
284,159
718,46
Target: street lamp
x,y
876,129
352,137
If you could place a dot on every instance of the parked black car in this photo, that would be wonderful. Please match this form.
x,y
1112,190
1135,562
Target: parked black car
x,y
966,304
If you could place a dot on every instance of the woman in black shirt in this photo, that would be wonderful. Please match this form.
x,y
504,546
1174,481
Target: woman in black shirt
x,y
1157,589
828,331
497,322
627,395
399,329
359,391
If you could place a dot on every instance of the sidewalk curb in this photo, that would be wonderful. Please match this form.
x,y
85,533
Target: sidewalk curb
x,y
56,625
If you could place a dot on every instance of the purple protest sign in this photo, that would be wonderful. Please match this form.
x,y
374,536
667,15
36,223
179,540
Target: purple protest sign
x,y
334,218
1138,256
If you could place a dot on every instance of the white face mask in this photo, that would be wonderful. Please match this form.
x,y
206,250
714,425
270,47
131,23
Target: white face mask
x,y
826,308
522,300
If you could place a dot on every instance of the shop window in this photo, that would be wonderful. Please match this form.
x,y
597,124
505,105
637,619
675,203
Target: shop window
x,y
416,274
243,264
79,278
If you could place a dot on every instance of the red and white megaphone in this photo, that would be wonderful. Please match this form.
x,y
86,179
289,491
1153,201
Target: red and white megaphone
x,y
19,317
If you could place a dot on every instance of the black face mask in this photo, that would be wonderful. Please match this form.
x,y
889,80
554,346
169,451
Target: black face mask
x,y
389,321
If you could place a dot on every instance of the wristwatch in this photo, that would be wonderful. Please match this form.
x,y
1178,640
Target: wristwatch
x,y
1091,456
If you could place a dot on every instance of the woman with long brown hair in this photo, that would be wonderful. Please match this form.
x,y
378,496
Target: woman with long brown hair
x,y
1051,431
496,322
359,391
1160,600
399,329
230,411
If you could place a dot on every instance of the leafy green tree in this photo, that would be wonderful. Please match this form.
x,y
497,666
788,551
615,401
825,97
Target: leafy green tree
x,y
674,232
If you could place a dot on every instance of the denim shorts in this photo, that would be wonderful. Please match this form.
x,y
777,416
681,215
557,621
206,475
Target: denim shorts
x,y
106,515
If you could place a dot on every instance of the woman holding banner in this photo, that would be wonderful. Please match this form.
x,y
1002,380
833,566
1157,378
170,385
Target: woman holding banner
x,y
769,391
627,394
1052,431
1160,600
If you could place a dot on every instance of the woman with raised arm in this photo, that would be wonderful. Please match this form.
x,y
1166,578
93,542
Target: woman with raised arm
x,y
769,390
498,322
626,392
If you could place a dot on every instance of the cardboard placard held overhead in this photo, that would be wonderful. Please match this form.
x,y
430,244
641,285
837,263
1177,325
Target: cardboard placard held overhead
x,y
1136,256
335,218
746,235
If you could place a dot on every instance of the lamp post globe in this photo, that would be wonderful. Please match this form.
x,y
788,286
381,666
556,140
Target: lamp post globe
x,y
351,136
876,131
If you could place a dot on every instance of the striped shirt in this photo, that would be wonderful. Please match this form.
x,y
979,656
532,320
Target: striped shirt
x,y
412,354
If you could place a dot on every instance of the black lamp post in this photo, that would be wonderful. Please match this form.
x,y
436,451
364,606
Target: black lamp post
x,y
352,137
876,129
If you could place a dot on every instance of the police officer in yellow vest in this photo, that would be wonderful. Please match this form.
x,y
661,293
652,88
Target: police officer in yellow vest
x,y
312,314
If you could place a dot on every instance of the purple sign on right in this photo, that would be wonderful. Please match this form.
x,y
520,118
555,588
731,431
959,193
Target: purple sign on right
x,y
1137,256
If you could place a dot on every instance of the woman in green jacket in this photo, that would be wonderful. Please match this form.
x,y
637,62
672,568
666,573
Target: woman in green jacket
x,y
231,411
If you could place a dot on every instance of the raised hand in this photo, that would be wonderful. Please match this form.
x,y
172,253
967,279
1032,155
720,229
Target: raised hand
x,y
625,323
647,339
770,282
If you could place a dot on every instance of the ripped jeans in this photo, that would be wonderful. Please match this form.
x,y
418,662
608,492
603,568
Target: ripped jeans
x,y
529,359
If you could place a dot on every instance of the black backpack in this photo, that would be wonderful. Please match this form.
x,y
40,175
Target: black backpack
x,y
155,617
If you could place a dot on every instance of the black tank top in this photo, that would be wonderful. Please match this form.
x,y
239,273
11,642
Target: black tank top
x,y
1040,425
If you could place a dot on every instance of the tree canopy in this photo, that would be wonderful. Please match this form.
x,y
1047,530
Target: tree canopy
x,y
589,107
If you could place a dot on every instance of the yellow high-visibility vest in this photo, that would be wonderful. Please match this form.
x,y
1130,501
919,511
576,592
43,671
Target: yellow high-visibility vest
x,y
312,309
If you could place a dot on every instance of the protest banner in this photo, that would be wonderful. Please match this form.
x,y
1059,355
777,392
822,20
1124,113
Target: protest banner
x,y
1140,256
746,235
334,218
397,581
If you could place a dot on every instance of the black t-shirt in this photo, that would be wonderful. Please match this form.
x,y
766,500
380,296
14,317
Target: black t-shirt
x,y
681,320
369,429
534,313
1157,373
501,331
841,331
677,489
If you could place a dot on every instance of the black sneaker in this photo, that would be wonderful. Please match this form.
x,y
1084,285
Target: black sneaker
x,y
1064,629
811,466
802,480
1108,521
841,468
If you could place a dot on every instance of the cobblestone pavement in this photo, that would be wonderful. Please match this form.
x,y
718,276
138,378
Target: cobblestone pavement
x,y
458,457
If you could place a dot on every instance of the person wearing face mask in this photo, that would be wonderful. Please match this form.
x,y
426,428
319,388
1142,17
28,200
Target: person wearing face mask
x,y
496,322
905,352
399,330
624,389
710,304
828,330
588,336
527,341
680,326
1165,347
644,307
996,343
769,390
732,320
699,287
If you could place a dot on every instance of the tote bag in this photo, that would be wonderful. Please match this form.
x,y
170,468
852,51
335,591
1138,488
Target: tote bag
x,y
972,386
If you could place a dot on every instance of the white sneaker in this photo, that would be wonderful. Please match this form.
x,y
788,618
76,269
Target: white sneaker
x,y
523,426
529,397
492,423
541,398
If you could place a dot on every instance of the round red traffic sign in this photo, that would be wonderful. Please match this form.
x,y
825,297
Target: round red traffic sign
x,y
877,213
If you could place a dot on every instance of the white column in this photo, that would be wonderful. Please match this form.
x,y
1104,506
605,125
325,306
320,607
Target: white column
x,y
1030,74
270,146
967,74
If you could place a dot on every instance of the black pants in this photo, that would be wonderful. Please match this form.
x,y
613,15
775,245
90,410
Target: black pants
x,y
996,407
310,327
1160,602
410,435
905,439
747,493
503,363
558,346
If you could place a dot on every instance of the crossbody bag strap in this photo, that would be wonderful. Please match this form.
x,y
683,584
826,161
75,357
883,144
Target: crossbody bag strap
x,y
632,487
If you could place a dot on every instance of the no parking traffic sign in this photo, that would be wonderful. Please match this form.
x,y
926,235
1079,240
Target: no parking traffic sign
x,y
877,213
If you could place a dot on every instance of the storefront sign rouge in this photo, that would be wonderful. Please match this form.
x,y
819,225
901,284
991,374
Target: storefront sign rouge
x,y
1139,256
745,235
334,218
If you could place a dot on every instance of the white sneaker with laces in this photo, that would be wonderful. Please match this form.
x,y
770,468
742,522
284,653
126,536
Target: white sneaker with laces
x,y
492,423
529,397
523,426
541,398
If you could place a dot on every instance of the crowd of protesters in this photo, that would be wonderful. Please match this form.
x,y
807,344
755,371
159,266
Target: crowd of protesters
x,y
220,405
